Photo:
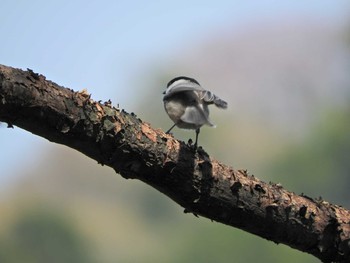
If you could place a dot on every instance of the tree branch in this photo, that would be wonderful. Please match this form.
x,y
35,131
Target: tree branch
x,y
199,183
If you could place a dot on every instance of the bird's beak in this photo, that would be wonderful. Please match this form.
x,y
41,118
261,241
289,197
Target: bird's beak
x,y
163,92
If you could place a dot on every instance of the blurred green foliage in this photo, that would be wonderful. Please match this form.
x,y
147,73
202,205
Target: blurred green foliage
x,y
319,165
42,235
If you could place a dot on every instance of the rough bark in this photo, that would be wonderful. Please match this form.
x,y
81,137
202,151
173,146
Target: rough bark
x,y
196,181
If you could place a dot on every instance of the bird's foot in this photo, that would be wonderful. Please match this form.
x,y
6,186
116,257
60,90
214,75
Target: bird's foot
x,y
189,142
191,145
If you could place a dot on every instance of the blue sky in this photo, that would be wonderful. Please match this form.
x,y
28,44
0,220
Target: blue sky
x,y
102,45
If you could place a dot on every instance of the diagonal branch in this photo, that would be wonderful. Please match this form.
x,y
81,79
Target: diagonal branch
x,y
199,183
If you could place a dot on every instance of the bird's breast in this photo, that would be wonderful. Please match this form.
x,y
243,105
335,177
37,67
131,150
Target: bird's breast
x,y
175,109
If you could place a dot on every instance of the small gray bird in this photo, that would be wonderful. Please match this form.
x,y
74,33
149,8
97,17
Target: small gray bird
x,y
186,103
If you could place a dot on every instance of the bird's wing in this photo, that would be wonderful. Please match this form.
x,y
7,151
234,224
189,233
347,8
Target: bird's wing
x,y
210,97
184,87
195,115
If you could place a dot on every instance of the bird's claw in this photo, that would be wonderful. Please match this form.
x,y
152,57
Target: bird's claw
x,y
191,145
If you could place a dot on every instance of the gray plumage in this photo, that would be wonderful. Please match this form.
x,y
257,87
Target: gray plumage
x,y
186,103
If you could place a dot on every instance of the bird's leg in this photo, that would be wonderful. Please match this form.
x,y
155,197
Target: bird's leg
x,y
197,132
171,128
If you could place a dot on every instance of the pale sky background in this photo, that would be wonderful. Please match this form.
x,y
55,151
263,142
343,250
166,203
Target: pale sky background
x,y
105,46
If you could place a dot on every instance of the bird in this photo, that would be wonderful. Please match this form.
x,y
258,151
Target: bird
x,y
186,104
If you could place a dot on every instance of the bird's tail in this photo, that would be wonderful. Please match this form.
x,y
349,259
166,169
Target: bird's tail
x,y
210,97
